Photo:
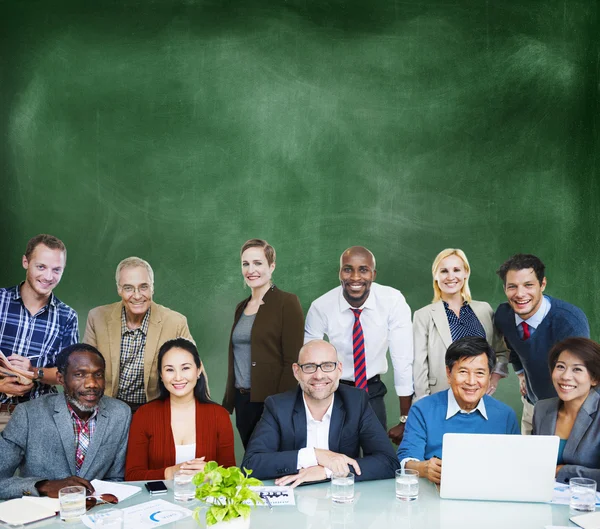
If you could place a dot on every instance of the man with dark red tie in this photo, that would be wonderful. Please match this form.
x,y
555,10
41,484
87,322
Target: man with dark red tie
x,y
532,323
363,320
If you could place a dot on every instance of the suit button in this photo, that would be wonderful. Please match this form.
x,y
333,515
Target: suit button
x,y
253,364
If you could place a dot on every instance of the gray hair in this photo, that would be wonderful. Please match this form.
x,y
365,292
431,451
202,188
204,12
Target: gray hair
x,y
131,262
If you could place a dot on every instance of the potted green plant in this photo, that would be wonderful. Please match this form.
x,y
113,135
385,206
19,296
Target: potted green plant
x,y
229,493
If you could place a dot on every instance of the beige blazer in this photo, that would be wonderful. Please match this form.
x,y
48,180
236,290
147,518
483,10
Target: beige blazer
x,y
103,330
432,338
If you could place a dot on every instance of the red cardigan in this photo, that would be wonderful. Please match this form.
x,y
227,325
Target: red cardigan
x,y
151,447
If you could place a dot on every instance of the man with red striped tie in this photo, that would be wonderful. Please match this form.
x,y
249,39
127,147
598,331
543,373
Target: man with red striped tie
x,y
363,320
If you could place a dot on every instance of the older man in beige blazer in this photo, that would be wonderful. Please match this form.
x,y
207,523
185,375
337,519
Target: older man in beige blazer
x,y
129,334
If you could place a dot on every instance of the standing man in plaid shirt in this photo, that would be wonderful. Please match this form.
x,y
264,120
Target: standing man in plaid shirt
x,y
34,324
129,334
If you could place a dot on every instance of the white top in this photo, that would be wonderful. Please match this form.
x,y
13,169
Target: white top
x,y
386,323
317,436
184,453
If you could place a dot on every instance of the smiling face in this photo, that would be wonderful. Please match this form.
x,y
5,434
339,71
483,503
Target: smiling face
x,y
44,267
524,291
571,378
357,273
318,386
135,289
83,381
179,373
256,269
469,380
451,276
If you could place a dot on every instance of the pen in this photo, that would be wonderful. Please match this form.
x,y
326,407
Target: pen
x,y
266,498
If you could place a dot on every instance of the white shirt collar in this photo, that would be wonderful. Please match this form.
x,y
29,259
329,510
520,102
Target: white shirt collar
x,y
326,417
454,408
370,303
537,318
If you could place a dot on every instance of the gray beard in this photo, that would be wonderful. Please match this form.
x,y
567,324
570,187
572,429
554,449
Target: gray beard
x,y
81,407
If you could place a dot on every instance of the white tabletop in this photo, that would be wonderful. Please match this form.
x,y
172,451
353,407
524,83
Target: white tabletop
x,y
374,507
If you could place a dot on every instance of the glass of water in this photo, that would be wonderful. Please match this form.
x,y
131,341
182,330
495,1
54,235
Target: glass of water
x,y
72,503
583,495
184,489
407,484
342,487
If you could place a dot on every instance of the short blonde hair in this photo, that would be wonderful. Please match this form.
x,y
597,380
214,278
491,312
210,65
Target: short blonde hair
x,y
260,243
465,291
132,262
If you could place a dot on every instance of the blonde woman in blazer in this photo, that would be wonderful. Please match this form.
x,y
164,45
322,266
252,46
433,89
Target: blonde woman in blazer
x,y
431,327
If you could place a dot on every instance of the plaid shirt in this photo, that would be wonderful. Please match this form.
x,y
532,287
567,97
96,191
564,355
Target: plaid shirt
x,y
39,337
131,378
84,431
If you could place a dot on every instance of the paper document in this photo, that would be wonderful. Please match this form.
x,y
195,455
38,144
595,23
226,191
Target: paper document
x,y
120,490
147,515
276,495
587,521
22,511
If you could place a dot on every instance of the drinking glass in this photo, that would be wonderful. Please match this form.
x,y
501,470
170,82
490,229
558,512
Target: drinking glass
x,y
184,489
407,484
72,503
583,495
342,487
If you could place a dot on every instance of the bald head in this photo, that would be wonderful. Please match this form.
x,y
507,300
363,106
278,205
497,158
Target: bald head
x,y
357,272
317,347
319,358
358,251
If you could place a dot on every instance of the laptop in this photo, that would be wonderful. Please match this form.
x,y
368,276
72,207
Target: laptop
x,y
498,467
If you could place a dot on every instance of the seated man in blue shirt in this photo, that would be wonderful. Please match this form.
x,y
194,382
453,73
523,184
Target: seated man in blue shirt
x,y
464,408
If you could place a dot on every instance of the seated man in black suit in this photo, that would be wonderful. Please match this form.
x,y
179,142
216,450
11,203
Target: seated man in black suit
x,y
320,428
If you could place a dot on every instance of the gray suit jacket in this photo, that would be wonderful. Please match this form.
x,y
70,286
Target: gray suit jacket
x,y
40,442
582,452
432,337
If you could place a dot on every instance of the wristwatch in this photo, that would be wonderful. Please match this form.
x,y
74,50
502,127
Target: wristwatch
x,y
403,419
40,374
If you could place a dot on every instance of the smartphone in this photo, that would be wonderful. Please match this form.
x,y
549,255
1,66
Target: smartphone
x,y
156,487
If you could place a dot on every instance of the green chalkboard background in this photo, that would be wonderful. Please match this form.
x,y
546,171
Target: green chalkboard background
x,y
177,129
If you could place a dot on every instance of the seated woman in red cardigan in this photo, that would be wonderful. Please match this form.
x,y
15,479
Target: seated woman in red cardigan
x,y
182,429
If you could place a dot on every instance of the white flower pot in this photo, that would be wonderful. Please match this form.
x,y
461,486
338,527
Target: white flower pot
x,y
236,523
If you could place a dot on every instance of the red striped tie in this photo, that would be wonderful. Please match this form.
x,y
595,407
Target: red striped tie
x,y
358,347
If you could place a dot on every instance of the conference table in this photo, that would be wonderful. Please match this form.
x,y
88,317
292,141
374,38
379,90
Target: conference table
x,y
375,506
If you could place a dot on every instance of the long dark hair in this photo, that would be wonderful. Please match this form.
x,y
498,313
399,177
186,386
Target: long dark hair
x,y
201,391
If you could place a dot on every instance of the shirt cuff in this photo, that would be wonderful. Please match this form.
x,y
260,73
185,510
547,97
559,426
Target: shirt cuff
x,y
306,458
404,391
519,371
406,460
501,369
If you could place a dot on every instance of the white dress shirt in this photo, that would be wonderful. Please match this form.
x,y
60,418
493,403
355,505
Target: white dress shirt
x,y
386,323
317,436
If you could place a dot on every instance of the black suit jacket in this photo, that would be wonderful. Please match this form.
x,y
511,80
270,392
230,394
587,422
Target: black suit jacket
x,y
273,448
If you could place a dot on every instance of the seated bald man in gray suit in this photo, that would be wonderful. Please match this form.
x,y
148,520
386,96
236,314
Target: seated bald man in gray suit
x,y
66,439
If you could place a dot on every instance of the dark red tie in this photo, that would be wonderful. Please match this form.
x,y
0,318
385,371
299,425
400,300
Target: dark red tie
x,y
526,332
358,347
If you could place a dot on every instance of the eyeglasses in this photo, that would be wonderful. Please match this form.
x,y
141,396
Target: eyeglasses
x,y
326,367
142,289
92,501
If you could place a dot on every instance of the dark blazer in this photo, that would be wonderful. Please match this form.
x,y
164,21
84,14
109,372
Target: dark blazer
x,y
582,452
276,338
281,432
40,442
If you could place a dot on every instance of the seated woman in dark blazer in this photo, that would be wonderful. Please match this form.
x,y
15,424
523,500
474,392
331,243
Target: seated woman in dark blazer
x,y
266,337
574,415
452,314
182,429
